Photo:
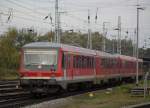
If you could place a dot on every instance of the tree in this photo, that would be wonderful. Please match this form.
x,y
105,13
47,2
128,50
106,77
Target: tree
x,y
97,39
9,56
10,44
25,36
49,37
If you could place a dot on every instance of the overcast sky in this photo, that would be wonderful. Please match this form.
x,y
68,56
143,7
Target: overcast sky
x,y
30,14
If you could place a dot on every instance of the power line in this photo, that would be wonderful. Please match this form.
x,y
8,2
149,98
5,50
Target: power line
x,y
21,12
33,3
22,6
29,18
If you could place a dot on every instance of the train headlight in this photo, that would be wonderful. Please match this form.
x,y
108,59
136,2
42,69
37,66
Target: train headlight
x,y
39,66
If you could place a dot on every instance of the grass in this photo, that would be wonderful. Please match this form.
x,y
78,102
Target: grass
x,y
115,98
8,74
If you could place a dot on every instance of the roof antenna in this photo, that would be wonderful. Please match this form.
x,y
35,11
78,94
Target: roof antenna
x,y
96,15
10,15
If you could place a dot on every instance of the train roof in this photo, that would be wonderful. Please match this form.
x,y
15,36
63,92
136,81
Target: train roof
x,y
66,48
104,54
127,57
58,45
75,49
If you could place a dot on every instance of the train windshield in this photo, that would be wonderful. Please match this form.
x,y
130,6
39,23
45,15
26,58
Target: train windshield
x,y
40,59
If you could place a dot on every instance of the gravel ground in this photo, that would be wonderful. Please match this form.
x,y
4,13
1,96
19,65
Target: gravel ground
x,y
57,103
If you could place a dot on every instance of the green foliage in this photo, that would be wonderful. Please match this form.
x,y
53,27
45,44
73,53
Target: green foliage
x,y
25,36
127,47
47,37
144,53
75,39
9,55
10,43
8,74
97,41
118,97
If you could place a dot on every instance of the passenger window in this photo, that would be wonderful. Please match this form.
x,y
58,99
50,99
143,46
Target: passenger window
x,y
63,61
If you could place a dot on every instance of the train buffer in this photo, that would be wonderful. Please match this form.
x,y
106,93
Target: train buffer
x,y
140,91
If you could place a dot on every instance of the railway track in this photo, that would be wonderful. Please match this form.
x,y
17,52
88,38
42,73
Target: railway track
x,y
13,97
11,93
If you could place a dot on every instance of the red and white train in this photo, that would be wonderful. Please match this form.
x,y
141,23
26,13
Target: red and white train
x,y
49,66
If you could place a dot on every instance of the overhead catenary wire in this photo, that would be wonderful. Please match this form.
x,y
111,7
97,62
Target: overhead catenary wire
x,y
38,6
23,13
24,7
81,19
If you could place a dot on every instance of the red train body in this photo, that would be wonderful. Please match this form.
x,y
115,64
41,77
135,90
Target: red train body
x,y
45,66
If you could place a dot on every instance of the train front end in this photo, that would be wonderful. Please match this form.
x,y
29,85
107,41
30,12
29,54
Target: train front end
x,y
39,68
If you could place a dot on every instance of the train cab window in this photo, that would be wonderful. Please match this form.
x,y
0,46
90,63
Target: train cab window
x,y
37,59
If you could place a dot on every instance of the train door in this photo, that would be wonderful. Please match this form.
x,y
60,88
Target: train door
x,y
76,66
68,70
